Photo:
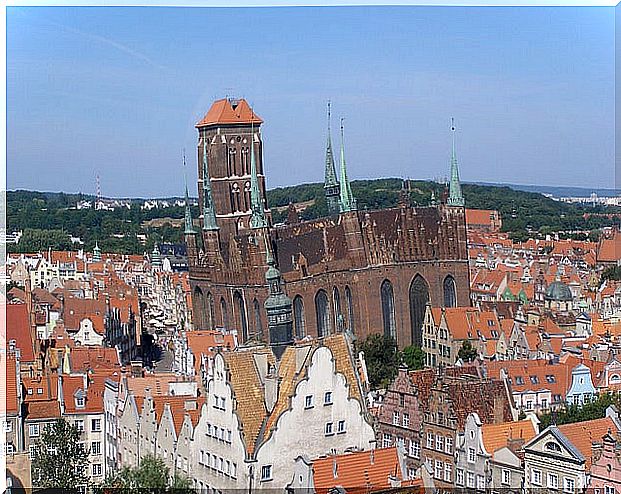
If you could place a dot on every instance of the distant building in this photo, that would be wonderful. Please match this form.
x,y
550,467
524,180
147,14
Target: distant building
x,y
486,220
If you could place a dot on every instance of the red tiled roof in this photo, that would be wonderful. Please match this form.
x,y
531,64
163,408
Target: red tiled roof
x,y
583,434
12,403
94,358
370,470
496,436
609,249
222,112
46,409
18,329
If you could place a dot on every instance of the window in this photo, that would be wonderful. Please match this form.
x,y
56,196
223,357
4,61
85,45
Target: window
x,y
506,477
8,426
448,445
395,418
439,470
534,379
552,481
266,472
471,480
31,451
415,449
299,321
387,440
97,470
448,471
340,427
569,485
95,425
401,400
544,403
327,398
430,440
440,442
10,449
33,430
328,429
406,419
388,309
552,446
459,476
551,378
519,380
79,402
96,448
535,477
480,482
472,455
308,401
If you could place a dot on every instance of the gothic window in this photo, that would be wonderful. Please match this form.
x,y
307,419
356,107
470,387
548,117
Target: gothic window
x,y
350,308
247,200
339,322
240,305
235,200
225,313
419,296
233,161
322,309
258,324
298,317
211,312
450,296
199,304
245,161
388,309
229,168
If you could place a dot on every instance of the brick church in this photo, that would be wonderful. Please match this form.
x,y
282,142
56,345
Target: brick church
x,y
356,271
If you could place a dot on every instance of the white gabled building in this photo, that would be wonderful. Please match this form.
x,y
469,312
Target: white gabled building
x,y
262,413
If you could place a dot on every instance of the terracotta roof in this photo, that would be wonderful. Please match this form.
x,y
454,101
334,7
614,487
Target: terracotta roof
x,y
93,394
84,358
222,112
534,375
77,309
156,384
18,329
46,409
479,217
583,434
368,470
496,436
609,249
40,388
205,342
12,402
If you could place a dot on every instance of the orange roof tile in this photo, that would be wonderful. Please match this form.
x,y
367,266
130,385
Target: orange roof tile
x,y
223,112
12,402
583,434
18,329
496,436
370,470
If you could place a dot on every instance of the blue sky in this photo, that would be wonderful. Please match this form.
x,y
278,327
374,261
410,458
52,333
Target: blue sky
x,y
117,91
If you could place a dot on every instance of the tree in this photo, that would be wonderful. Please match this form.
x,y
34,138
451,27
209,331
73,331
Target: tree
x,y
382,359
59,458
414,357
467,352
152,476
594,409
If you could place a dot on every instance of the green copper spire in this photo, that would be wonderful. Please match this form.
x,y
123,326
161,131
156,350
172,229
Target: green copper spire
x,y
209,214
331,184
348,202
455,198
257,220
189,227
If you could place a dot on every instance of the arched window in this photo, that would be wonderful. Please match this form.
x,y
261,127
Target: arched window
x,y
247,198
245,161
338,317
388,309
298,317
211,312
199,308
235,199
350,308
450,295
240,305
322,309
225,314
419,296
258,323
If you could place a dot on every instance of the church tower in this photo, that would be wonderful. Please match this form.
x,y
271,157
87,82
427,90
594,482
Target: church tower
x,y
331,185
230,131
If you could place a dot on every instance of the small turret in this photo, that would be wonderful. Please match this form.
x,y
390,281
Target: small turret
x,y
156,258
279,308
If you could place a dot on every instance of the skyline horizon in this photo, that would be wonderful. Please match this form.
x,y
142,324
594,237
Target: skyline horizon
x,y
533,106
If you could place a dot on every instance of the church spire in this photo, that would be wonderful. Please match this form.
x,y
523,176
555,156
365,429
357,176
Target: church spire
x,y
257,220
348,202
209,214
331,184
189,227
455,197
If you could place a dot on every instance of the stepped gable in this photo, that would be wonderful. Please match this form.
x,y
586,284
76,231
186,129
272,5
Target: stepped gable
x,y
256,421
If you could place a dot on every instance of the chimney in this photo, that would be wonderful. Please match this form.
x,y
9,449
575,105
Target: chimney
x,y
271,386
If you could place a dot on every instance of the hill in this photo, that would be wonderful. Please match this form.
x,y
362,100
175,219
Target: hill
x,y
48,219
